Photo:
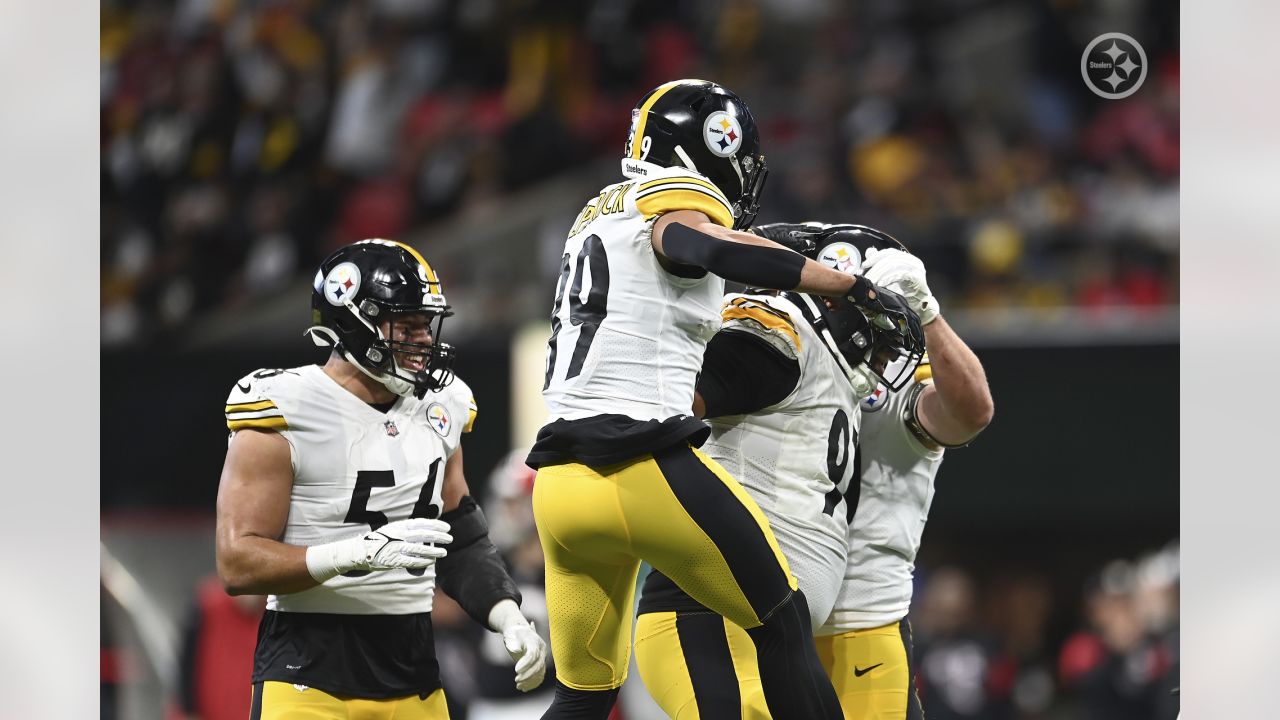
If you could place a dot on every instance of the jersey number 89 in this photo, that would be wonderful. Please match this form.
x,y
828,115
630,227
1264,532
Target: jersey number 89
x,y
587,314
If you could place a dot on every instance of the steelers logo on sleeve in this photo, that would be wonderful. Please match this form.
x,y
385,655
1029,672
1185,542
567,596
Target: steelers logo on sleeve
x,y
876,400
438,418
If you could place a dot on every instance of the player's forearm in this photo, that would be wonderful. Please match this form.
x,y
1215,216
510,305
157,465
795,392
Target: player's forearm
x,y
814,277
961,406
252,565
474,573
819,279
742,374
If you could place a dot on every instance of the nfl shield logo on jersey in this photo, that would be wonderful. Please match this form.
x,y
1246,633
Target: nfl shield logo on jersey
x,y
438,417
391,428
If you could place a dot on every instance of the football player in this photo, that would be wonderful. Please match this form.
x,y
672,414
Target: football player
x,y
619,477
781,385
341,487
866,642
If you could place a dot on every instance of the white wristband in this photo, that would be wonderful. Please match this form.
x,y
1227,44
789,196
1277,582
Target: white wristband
x,y
929,310
332,559
504,614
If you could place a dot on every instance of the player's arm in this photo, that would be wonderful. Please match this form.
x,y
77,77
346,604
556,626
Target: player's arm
x,y
957,405
691,238
253,506
742,374
474,574
752,363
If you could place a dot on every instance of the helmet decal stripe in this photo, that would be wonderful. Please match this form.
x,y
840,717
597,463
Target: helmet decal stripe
x,y
431,274
643,119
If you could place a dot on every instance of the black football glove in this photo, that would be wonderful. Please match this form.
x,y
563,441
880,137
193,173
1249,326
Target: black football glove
x,y
888,311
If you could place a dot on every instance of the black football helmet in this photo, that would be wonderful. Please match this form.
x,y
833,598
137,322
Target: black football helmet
x,y
892,355
698,125
812,238
846,333
362,284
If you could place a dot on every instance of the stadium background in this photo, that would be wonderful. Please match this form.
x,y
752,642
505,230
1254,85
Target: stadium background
x,y
242,141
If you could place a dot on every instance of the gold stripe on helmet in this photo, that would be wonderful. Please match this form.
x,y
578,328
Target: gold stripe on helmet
x,y
638,138
431,274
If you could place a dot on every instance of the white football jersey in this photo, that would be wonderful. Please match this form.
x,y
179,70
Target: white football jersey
x,y
795,458
627,337
897,482
354,468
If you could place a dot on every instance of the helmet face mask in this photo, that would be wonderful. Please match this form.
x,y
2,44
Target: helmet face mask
x,y
847,335
703,127
370,284
891,361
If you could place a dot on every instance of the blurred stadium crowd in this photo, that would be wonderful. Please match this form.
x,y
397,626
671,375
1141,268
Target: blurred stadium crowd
x,y
243,139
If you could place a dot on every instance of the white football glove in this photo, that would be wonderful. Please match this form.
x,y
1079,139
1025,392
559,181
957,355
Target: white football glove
x,y
412,544
903,273
522,641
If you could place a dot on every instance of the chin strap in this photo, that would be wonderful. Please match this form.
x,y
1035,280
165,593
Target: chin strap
x,y
863,380
395,384
324,337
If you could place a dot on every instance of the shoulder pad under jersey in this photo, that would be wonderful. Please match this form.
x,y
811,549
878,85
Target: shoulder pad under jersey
x,y
465,400
255,400
667,189
755,314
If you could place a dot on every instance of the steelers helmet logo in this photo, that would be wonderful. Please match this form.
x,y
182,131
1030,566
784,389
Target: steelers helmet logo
x,y
342,283
722,133
438,418
843,257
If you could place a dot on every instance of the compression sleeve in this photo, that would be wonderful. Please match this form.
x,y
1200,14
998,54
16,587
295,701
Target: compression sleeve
x,y
473,572
752,265
743,373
